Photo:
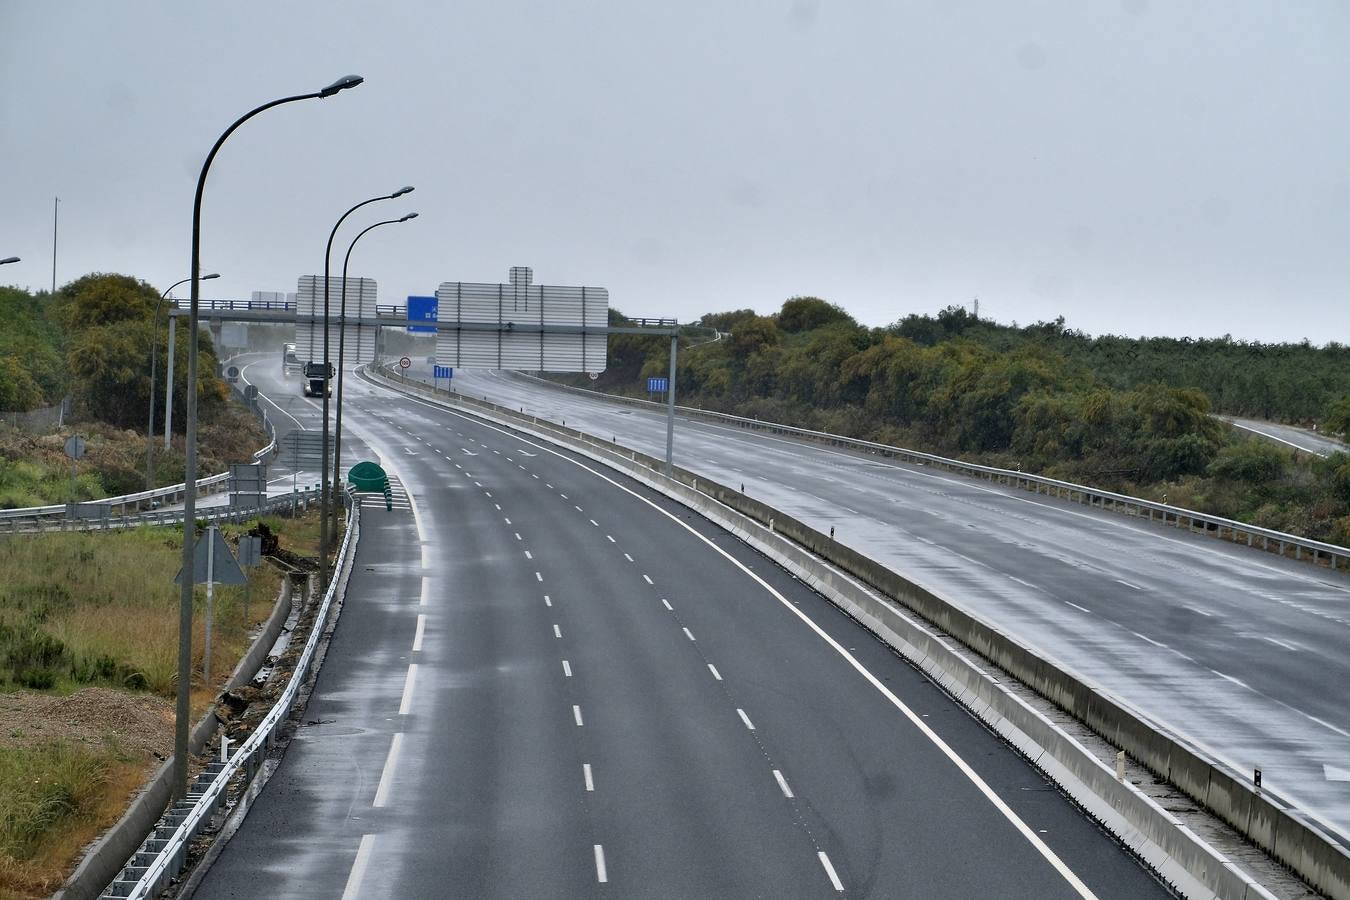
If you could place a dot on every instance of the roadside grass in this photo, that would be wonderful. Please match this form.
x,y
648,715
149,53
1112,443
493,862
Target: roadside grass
x,y
100,609
56,798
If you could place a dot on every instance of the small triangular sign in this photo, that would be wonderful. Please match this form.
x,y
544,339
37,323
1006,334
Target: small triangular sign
x,y
224,569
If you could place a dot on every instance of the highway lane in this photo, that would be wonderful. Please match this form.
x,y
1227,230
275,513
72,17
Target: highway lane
x,y
1232,648
1290,436
613,698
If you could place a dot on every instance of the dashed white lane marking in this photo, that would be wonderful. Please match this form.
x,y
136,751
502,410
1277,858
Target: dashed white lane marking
x,y
713,669
782,784
421,629
567,668
562,495
519,466
595,523
532,475
576,714
1200,612
1023,583
487,493
406,704
528,555
426,591
689,634
1279,643
1128,585
549,486
667,603
548,601
518,537
578,509
744,718
538,577
358,873
499,509
387,777
829,870
600,874
586,774
1144,637
557,632
611,539
506,520
627,557
647,578
477,484
1079,608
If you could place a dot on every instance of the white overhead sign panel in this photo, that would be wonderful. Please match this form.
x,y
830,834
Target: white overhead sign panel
x,y
360,341
506,307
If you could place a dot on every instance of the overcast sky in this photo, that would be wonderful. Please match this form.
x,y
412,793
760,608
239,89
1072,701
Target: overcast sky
x,y
1140,167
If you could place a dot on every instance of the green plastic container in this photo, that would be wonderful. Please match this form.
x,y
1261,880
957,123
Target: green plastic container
x,y
368,476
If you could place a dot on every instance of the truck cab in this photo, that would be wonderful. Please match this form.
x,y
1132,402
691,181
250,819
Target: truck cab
x,y
318,379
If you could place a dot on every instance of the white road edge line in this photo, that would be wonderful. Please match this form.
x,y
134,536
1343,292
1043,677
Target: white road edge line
x,y
358,873
974,777
390,763
408,683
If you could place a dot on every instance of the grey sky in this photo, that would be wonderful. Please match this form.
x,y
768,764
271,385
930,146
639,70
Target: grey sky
x,y
1138,167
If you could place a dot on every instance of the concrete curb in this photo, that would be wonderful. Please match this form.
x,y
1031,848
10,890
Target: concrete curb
x,y
847,577
105,858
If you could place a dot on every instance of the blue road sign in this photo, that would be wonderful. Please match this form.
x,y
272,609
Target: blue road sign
x,y
658,385
442,372
421,309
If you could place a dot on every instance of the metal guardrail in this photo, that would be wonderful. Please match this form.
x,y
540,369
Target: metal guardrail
x,y
167,856
1267,539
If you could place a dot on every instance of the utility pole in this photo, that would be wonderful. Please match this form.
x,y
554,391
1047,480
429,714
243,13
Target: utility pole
x,y
56,208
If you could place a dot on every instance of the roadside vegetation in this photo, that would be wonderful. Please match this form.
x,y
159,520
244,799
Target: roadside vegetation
x,y
92,341
1122,414
88,664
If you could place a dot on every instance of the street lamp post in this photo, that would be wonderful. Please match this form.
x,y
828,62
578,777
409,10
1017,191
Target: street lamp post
x,y
183,707
324,510
342,332
154,361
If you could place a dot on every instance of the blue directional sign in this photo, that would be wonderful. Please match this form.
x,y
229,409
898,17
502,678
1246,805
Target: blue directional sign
x,y
658,385
442,372
421,309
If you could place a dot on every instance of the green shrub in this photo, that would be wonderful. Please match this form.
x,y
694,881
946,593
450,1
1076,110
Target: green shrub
x,y
1252,461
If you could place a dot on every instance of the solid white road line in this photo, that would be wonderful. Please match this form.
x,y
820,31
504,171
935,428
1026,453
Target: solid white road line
x,y
557,632
576,714
353,889
667,603
567,668
586,773
744,718
917,721
829,870
713,669
421,629
390,763
782,783
408,683
647,578
600,874
689,634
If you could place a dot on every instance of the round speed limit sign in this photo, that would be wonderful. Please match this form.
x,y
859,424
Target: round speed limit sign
x,y
404,363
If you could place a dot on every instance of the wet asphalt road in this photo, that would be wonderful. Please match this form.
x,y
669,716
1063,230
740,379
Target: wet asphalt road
x,y
547,682
1240,651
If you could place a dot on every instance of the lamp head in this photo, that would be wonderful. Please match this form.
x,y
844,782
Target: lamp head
x,y
347,81
400,192
209,277
9,259
408,216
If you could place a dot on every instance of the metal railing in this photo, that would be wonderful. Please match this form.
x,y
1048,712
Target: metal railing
x,y
166,856
1268,539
